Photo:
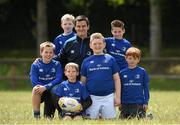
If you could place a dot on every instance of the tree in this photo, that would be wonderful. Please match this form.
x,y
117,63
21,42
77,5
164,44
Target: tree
x,y
155,28
42,33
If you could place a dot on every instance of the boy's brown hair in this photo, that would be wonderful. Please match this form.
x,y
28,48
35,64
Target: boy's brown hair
x,y
71,64
133,51
46,44
117,23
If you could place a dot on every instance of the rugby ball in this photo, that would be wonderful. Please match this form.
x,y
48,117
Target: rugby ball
x,y
69,104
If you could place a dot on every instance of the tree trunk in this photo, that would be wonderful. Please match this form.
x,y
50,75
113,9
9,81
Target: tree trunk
x,y
155,29
42,34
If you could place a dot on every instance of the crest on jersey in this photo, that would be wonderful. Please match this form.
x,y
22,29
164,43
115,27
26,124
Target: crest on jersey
x,y
72,51
76,90
105,61
88,53
124,49
53,70
60,42
137,76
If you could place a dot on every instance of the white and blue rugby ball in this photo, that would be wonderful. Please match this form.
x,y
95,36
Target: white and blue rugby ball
x,y
69,104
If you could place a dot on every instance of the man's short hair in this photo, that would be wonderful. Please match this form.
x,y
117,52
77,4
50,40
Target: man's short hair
x,y
82,18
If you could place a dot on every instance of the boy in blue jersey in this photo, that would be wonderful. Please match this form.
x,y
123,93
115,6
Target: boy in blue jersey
x,y
67,24
134,87
100,74
74,89
44,74
116,46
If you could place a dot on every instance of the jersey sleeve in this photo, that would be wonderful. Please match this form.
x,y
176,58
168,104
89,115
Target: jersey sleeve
x,y
34,75
56,43
115,67
83,71
59,91
146,88
84,93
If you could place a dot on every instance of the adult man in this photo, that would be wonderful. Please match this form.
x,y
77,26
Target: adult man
x,y
76,49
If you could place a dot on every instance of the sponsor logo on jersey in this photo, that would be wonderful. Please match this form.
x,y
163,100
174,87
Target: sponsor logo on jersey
x,y
47,75
40,70
131,81
91,62
98,65
113,45
125,76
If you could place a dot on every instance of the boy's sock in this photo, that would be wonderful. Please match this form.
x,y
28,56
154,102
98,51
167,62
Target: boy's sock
x,y
37,114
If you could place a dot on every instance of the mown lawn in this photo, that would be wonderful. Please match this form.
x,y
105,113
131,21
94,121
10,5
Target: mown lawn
x,y
15,108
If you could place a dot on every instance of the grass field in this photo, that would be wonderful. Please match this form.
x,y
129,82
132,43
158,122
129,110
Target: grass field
x,y
15,108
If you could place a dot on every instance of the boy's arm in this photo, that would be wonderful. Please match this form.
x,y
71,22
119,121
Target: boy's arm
x,y
86,103
83,79
117,82
56,43
57,79
146,88
34,76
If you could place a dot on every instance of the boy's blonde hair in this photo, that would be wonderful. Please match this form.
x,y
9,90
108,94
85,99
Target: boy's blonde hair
x,y
96,36
46,44
73,65
117,23
67,17
133,51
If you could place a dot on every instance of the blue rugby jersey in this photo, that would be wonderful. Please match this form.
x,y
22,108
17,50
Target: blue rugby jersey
x,y
47,75
74,90
60,40
99,71
117,48
134,86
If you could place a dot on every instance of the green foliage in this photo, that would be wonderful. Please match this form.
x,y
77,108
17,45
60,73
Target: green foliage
x,y
116,2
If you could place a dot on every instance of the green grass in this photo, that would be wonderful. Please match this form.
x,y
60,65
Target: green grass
x,y
15,108
156,84
15,105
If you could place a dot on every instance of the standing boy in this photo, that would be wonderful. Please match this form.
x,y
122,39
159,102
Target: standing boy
x,y
44,74
67,24
116,46
77,48
100,74
74,89
135,87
